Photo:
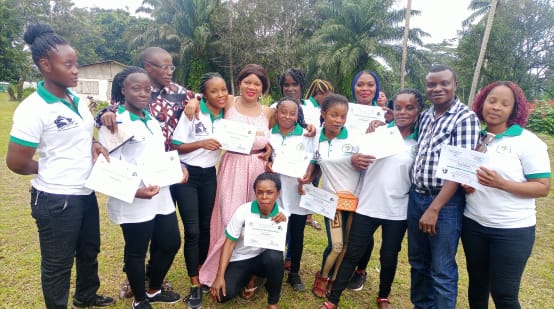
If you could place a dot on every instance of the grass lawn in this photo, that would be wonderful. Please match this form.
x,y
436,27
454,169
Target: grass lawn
x,y
20,255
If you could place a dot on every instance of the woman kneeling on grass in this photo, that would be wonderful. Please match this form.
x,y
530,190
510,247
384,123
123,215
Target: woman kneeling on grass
x,y
238,261
498,228
150,219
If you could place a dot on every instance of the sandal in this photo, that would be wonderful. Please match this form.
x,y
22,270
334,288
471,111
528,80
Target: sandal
x,y
383,303
328,305
125,290
316,225
320,286
249,291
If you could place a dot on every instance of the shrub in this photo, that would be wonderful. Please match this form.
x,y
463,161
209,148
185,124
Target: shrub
x,y
541,119
27,92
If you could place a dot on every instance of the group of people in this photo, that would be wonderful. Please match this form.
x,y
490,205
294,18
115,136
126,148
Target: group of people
x,y
399,193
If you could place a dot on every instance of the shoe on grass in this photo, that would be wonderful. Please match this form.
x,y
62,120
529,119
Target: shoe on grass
x,y
194,299
296,282
143,304
164,296
99,301
357,281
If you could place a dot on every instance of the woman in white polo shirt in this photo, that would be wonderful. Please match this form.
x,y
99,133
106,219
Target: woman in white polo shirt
x,y
55,124
199,151
150,219
498,229
287,137
383,193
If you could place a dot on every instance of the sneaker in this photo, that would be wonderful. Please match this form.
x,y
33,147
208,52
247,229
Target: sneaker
x,y
205,289
143,304
99,301
194,300
296,283
164,296
357,280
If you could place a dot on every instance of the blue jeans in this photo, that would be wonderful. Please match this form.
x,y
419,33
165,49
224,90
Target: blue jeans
x,y
495,259
434,272
68,228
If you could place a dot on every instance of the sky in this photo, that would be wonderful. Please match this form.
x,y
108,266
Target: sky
x,y
440,18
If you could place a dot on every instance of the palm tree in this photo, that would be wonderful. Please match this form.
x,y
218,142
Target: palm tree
x,y
482,51
405,43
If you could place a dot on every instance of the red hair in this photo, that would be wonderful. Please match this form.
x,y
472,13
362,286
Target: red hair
x,y
520,112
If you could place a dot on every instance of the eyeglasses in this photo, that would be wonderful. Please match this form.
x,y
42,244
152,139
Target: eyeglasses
x,y
166,67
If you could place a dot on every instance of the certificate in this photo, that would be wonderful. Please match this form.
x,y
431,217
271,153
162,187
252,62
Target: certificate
x,y
319,201
360,115
111,141
161,168
293,163
460,165
116,178
265,233
235,136
382,143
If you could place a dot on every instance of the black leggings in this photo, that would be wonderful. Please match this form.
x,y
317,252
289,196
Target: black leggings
x,y
162,233
297,223
195,200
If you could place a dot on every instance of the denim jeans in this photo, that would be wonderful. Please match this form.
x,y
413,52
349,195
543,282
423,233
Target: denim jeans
x,y
68,228
268,264
434,272
163,233
195,200
360,242
495,260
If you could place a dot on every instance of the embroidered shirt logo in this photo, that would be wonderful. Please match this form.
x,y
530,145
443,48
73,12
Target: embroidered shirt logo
x,y
65,123
504,149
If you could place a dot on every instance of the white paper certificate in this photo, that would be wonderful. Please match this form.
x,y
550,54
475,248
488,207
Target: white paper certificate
x,y
319,201
382,143
460,165
292,163
359,116
264,233
235,136
161,169
116,178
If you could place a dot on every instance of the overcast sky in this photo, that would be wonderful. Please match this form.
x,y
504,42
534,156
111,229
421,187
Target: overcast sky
x,y
440,18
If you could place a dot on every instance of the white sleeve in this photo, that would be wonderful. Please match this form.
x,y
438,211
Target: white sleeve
x,y
534,158
27,125
235,226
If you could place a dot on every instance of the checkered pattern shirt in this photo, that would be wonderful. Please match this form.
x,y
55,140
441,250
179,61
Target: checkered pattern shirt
x,y
458,126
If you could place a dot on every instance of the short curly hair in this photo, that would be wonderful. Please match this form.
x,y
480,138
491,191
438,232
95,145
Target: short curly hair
x,y
520,112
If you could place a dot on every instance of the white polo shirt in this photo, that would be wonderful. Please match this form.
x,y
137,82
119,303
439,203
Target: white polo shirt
x,y
62,136
235,229
312,112
333,156
189,131
147,138
384,187
517,155
294,141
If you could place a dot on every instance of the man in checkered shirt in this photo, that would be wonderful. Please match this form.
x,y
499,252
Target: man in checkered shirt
x,y
436,206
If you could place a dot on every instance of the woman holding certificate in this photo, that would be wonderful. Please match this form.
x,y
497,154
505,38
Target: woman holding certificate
x,y
289,144
199,151
233,191
498,228
335,155
383,193
150,219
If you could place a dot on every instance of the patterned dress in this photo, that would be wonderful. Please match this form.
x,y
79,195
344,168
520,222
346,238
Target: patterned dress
x,y
235,179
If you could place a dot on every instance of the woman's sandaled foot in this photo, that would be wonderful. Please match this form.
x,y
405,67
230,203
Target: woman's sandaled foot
x,y
383,303
328,305
320,286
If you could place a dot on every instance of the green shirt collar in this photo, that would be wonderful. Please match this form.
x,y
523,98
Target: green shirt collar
x,y
413,135
204,109
311,99
342,135
50,98
298,130
121,109
513,130
255,209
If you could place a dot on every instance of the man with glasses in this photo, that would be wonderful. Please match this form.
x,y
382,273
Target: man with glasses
x,y
166,105
436,206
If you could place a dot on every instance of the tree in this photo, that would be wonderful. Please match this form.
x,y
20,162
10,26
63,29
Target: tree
x,y
405,43
12,57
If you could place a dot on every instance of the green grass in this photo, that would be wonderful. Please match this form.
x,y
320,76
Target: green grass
x,y
20,255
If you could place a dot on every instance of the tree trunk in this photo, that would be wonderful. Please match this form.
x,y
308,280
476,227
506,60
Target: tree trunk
x,y
405,43
482,52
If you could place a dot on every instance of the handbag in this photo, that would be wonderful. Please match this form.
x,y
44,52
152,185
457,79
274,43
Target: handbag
x,y
347,201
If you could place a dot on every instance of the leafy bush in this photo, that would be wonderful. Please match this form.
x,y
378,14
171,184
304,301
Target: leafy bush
x,y
541,119
27,92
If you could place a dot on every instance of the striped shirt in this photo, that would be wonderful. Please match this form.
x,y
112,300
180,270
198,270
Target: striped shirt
x,y
458,126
